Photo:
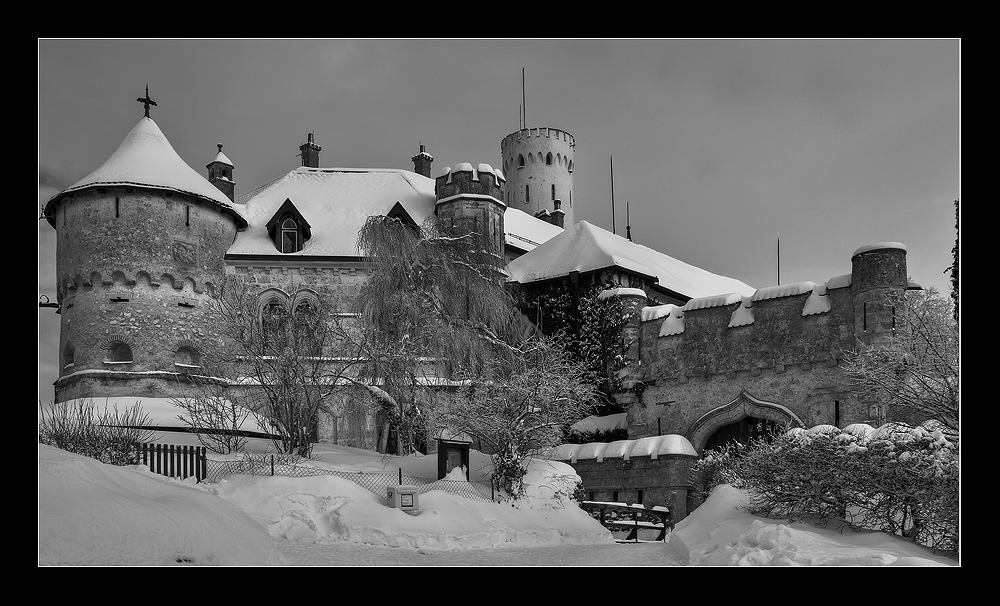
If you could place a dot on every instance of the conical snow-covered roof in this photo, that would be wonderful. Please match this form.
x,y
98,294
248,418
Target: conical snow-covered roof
x,y
145,158
586,248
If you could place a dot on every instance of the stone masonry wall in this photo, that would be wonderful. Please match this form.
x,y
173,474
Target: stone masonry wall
x,y
663,481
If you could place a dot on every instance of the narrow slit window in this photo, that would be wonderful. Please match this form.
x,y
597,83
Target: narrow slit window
x,y
117,208
187,216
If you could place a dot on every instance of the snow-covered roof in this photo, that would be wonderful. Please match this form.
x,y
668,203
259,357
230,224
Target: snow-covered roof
x,y
585,247
336,202
652,447
145,158
221,157
525,232
879,246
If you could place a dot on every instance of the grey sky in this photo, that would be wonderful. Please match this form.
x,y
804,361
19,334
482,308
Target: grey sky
x,y
720,147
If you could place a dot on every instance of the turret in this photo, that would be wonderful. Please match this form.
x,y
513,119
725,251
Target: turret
x,y
140,245
539,165
471,201
220,174
878,276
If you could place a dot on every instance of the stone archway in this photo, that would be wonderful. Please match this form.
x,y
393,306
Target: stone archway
x,y
744,405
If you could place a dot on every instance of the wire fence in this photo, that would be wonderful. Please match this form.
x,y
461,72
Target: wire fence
x,y
376,482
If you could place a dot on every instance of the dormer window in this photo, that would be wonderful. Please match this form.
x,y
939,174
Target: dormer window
x,y
289,236
288,229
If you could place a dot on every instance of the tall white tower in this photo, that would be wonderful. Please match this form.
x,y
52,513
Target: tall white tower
x,y
538,164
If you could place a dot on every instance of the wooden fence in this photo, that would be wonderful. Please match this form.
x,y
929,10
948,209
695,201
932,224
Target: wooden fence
x,y
175,461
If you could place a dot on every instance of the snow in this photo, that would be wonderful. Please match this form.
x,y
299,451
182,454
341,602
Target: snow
x,y
651,446
783,290
743,314
879,246
95,514
622,292
818,302
673,324
605,423
525,232
585,247
146,158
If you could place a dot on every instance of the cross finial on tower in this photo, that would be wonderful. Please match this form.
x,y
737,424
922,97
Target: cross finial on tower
x,y
146,101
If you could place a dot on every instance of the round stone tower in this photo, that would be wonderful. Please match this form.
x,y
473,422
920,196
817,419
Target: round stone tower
x,y
878,276
471,201
140,245
539,165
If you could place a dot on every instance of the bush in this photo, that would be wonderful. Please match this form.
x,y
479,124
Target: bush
x,y
107,435
896,479
598,435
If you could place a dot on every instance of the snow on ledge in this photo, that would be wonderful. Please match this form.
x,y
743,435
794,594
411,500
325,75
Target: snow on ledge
x,y
818,302
622,292
674,323
839,281
655,312
743,316
879,246
652,446
713,301
783,290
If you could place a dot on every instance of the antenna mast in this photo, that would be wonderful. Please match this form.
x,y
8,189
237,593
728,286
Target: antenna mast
x,y
613,194
779,262
628,223
523,106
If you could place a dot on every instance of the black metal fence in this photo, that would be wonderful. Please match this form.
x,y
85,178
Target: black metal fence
x,y
174,460
277,465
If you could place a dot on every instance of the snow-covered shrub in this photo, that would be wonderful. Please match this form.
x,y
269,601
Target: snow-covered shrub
x,y
897,479
109,436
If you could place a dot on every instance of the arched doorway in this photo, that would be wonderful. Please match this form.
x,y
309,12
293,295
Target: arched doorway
x,y
744,416
743,431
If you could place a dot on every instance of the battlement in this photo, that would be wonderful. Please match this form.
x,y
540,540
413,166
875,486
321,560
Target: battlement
x,y
464,180
529,133
118,285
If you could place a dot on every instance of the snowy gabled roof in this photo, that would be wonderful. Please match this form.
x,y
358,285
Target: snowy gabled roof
x,y
336,202
524,232
585,247
145,158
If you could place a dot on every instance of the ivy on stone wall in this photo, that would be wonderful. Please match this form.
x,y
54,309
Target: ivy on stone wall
x,y
590,329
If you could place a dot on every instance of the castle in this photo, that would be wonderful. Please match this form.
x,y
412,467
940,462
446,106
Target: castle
x,y
143,241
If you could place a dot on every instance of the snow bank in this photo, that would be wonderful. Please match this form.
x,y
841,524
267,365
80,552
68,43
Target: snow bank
x,y
94,514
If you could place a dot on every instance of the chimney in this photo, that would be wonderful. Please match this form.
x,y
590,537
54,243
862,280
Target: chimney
x,y
310,153
422,162
558,216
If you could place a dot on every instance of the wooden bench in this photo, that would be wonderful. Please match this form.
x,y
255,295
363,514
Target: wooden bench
x,y
656,512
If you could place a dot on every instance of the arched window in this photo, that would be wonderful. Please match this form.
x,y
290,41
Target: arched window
x,y
520,161
307,328
69,355
289,236
119,351
548,159
273,322
187,356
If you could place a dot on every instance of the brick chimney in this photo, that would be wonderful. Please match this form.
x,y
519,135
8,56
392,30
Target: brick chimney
x,y
422,162
310,153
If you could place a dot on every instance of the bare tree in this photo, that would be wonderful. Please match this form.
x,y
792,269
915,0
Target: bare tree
x,y
435,306
915,371
439,294
520,405
211,411
287,360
